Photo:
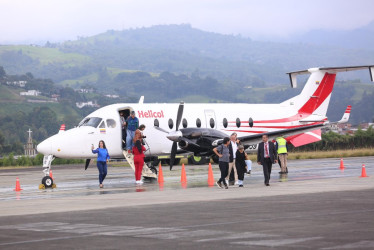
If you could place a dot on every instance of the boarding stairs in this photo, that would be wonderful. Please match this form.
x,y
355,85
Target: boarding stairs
x,y
146,173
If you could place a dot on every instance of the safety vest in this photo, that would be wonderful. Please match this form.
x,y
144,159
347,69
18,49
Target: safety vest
x,y
282,148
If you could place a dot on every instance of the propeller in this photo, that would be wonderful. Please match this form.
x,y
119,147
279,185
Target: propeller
x,y
174,135
87,163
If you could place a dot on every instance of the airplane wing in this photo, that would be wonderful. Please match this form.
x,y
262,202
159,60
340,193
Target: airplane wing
x,y
289,133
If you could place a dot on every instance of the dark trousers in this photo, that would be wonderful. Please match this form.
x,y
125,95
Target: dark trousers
x,y
241,170
224,168
266,167
103,169
124,135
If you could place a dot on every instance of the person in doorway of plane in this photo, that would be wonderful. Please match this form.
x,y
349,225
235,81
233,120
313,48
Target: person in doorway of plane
x,y
132,126
124,128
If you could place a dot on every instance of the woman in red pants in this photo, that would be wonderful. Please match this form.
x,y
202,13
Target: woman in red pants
x,y
138,151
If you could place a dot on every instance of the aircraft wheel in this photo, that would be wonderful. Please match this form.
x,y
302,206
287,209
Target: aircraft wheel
x,y
47,181
197,160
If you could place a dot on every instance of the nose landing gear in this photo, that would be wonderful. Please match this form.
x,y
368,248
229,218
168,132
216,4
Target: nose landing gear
x,y
47,181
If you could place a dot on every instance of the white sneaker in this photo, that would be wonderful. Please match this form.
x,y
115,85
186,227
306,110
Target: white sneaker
x,y
140,182
236,183
137,182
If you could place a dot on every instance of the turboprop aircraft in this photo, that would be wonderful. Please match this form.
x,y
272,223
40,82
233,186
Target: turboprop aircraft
x,y
172,129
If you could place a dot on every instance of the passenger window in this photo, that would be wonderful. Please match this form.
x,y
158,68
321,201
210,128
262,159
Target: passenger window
x,y
238,122
111,123
225,123
211,121
156,123
171,124
102,125
184,123
250,122
198,122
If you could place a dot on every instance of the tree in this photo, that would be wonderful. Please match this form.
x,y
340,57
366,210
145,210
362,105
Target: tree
x,y
2,72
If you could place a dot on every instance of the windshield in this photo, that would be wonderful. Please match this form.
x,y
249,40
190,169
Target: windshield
x,y
90,121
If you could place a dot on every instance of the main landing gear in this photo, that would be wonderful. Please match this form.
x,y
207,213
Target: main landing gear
x,y
47,181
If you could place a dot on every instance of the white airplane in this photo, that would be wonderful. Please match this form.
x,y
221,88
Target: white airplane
x,y
198,128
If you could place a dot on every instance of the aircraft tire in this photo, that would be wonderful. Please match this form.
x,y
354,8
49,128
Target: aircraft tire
x,y
197,160
47,181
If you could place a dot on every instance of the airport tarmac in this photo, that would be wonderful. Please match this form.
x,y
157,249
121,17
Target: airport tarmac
x,y
317,206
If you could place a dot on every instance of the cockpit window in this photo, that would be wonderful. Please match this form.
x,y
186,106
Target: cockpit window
x,y
102,125
90,121
111,123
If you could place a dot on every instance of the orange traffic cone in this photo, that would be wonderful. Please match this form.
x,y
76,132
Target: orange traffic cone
x,y
363,171
210,176
160,175
51,175
341,164
183,175
18,186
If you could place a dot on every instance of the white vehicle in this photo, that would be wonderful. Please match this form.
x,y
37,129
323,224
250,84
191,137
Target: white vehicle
x,y
198,127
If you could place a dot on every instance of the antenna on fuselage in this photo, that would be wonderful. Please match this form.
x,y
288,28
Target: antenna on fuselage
x,y
141,100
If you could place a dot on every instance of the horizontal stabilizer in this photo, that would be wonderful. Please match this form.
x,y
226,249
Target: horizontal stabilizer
x,y
305,138
331,70
257,138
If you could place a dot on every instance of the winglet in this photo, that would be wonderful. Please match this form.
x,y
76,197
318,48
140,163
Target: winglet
x,y
62,128
346,115
141,100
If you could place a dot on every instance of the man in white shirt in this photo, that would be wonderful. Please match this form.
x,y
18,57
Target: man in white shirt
x,y
233,147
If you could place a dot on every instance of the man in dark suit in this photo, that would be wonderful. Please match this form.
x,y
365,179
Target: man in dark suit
x,y
266,156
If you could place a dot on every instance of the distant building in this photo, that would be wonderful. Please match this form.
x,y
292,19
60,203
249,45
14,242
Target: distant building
x,y
29,147
365,126
87,104
85,90
32,92
112,96
21,84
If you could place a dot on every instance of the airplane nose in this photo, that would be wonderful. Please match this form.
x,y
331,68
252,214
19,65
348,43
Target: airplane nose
x,y
45,147
174,136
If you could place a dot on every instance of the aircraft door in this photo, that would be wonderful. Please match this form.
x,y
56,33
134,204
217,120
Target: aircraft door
x,y
210,118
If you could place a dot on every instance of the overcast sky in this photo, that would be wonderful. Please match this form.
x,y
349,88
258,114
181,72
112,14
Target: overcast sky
x,y
60,20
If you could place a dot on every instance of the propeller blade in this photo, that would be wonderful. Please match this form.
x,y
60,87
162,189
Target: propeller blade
x,y
87,163
172,154
179,115
161,129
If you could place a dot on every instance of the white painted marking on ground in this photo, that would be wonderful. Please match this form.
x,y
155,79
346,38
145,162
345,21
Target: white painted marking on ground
x,y
356,245
233,236
184,234
140,231
274,243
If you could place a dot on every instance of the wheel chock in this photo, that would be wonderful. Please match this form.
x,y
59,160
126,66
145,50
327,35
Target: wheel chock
x,y
41,186
54,185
